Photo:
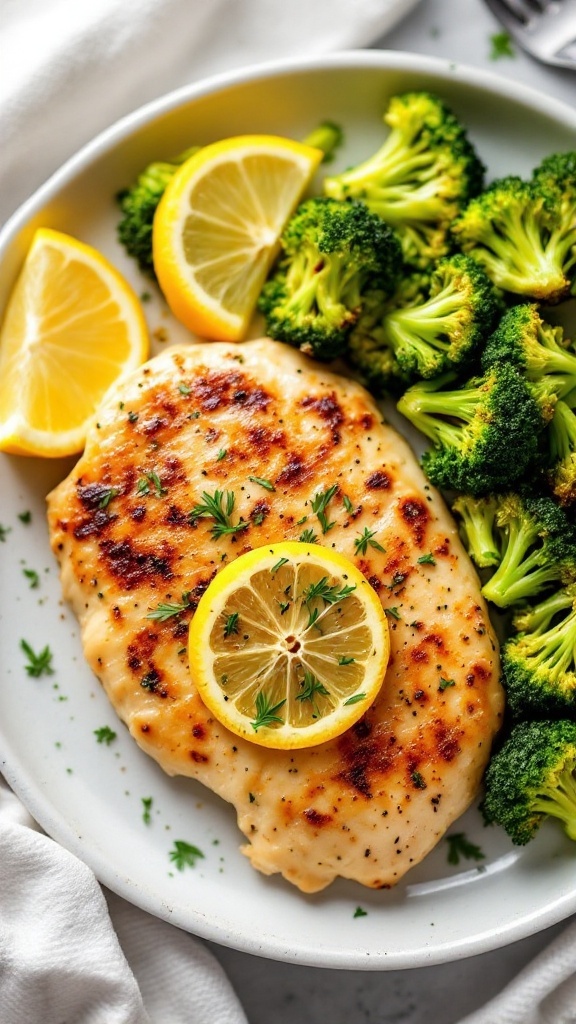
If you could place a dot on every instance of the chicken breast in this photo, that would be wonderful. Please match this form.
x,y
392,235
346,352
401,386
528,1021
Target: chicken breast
x,y
372,803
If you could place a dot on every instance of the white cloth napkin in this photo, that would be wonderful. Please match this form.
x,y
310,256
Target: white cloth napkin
x,y
68,69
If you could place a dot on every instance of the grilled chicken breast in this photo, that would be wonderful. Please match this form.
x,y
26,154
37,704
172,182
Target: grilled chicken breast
x,y
372,803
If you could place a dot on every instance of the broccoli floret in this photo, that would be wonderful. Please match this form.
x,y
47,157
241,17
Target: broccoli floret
x,y
538,548
532,776
367,350
484,433
333,254
478,529
562,449
517,231
419,179
538,662
443,331
138,204
539,350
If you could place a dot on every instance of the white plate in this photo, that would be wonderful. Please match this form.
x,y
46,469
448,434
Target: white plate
x,y
89,796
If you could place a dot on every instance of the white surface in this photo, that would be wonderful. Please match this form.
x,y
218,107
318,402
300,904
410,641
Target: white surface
x,y
88,796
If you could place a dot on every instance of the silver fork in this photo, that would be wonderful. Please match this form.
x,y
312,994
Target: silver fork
x,y
544,28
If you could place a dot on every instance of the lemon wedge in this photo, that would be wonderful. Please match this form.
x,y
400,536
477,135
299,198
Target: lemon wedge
x,y
289,645
217,227
72,326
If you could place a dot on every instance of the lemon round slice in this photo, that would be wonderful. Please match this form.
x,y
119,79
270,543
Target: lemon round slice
x,y
217,228
289,645
72,326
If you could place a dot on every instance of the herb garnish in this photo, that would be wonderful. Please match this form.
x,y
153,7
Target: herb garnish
x,y
355,699
4,531
105,735
418,780
343,660
184,855
279,564
219,507
231,625
312,685
144,482
393,612
266,484
501,46
107,496
221,454
147,807
347,503
459,846
25,517
427,559
33,577
266,712
38,664
308,536
366,538
165,611
184,389
319,505
445,683
360,913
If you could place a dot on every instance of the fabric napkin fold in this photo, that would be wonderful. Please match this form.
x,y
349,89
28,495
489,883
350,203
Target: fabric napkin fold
x,y
69,69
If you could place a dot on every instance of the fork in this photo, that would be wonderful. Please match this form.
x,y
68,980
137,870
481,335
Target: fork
x,y
544,28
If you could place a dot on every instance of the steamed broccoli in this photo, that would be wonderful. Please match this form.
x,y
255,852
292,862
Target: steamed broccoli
x,y
537,548
520,234
484,433
532,776
562,450
538,663
420,178
333,254
539,350
478,528
138,204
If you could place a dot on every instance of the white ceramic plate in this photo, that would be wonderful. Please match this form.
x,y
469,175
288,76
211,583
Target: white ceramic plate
x,y
88,796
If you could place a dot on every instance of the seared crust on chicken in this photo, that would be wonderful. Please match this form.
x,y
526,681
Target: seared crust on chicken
x,y
372,803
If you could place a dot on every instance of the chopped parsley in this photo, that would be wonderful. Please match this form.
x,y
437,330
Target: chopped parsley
x,y
501,46
4,531
347,503
445,683
459,846
266,711
38,664
266,484
33,578
146,808
105,735
184,855
320,503
418,780
343,660
393,612
132,417
143,486
364,539
107,496
360,913
219,507
311,686
427,559
25,517
222,454
184,389
231,624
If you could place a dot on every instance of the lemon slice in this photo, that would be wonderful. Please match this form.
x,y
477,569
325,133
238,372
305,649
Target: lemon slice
x,y
72,326
217,228
289,645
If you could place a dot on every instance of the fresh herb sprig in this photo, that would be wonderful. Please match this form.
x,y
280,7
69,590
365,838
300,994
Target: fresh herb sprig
x,y
166,610
365,539
184,855
219,507
459,846
319,505
38,664
266,711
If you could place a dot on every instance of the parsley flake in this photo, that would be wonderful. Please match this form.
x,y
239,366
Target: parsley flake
x,y
4,531
184,389
445,683
459,846
146,808
343,660
165,611
266,484
33,578
221,454
355,699
364,539
107,496
427,559
184,855
393,612
360,913
501,46
38,664
105,735
231,625
25,517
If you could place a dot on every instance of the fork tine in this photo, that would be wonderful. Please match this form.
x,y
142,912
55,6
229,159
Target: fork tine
x,y
514,8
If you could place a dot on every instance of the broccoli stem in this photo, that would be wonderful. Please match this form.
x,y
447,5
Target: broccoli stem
x,y
519,575
553,649
419,326
515,253
478,515
327,137
559,800
537,619
426,408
